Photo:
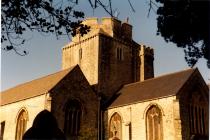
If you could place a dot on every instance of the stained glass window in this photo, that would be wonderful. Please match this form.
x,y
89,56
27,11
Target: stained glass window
x,y
115,128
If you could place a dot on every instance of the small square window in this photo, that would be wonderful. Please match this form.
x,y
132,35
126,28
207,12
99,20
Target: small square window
x,y
80,54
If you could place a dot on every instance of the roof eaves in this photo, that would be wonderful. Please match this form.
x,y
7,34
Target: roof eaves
x,y
137,102
157,77
24,99
39,94
195,70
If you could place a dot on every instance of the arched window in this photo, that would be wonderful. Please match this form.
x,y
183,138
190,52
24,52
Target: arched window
x,y
21,124
73,113
197,117
115,127
154,123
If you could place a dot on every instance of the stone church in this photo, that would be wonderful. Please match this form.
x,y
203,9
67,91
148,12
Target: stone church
x,y
106,90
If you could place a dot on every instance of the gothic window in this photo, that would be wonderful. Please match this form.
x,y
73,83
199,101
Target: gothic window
x,y
21,124
119,54
203,121
154,123
191,118
72,119
197,119
196,111
2,130
115,127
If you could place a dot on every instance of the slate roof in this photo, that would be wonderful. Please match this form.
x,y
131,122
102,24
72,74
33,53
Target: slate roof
x,y
33,88
163,86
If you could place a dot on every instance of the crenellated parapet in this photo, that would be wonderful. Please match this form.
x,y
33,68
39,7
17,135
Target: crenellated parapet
x,y
147,51
108,56
108,26
146,55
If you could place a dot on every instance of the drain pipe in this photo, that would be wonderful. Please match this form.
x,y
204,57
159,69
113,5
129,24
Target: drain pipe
x,y
99,116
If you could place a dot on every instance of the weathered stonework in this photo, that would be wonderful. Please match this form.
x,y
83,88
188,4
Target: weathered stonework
x,y
99,58
89,60
195,97
75,86
135,114
147,68
10,112
184,115
95,66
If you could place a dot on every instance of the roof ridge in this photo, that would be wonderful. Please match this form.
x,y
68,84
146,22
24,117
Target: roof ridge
x,y
160,76
41,77
158,87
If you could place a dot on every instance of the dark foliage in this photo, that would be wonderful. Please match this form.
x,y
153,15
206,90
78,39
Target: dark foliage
x,y
187,24
44,127
45,16
183,22
18,17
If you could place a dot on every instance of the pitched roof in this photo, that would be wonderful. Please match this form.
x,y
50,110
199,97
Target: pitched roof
x,y
33,88
166,85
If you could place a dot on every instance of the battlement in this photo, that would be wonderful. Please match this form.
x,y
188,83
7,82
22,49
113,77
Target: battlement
x,y
108,26
147,58
105,21
146,50
91,21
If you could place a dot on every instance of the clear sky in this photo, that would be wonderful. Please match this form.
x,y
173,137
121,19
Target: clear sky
x,y
44,55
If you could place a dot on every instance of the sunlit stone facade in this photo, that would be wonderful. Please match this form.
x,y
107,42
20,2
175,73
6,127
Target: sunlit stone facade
x,y
106,90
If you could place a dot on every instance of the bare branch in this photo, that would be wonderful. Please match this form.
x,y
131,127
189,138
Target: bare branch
x,y
131,6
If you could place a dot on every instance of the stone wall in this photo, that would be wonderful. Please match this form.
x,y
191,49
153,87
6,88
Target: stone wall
x,y
114,72
88,61
75,86
146,64
99,61
10,112
136,112
194,107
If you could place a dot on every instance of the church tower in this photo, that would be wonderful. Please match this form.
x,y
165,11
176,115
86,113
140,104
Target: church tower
x,y
107,55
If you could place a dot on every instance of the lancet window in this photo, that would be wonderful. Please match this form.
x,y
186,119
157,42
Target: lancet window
x,y
73,113
21,124
197,114
154,123
115,127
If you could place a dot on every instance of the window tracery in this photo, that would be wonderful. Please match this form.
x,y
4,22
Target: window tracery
x,y
197,116
154,123
72,119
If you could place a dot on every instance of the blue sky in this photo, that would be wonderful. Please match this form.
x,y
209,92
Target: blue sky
x,y
44,55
